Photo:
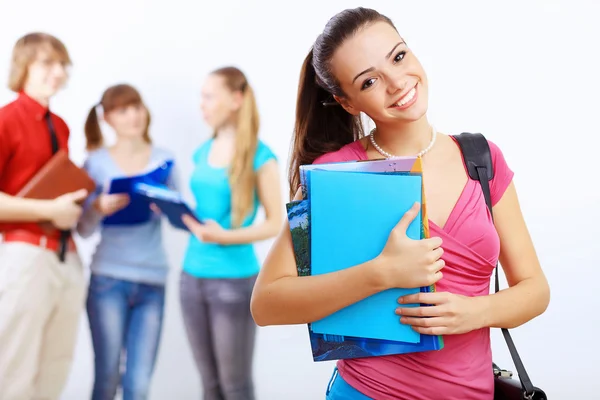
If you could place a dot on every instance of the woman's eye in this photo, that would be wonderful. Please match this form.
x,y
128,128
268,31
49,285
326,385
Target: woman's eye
x,y
399,56
368,83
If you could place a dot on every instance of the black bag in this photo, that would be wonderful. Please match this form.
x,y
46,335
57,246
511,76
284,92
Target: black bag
x,y
478,159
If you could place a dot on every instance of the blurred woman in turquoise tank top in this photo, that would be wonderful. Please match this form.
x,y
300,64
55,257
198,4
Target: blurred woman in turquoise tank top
x,y
234,173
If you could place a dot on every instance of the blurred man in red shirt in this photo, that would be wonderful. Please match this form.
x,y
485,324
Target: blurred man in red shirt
x,y
41,297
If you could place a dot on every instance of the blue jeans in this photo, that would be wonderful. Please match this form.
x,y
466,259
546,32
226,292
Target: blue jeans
x,y
125,319
339,389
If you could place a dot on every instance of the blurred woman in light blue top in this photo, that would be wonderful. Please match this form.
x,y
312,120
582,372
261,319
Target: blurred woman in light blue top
x,y
129,267
234,173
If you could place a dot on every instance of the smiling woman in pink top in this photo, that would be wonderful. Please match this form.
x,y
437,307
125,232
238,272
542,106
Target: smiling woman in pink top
x,y
361,64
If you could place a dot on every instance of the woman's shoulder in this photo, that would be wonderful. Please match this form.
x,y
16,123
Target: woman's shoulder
x,y
263,154
351,152
495,151
96,157
201,149
162,154
263,147
97,152
503,174
98,164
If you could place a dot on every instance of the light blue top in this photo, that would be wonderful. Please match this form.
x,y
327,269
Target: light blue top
x,y
129,252
211,189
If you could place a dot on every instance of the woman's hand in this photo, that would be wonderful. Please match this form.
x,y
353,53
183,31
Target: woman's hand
x,y
108,204
154,208
208,231
408,263
448,314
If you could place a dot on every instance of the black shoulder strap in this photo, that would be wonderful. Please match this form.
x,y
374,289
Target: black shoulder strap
x,y
478,160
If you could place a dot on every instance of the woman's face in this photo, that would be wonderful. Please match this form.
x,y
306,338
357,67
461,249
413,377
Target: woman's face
x,y
219,104
380,76
130,121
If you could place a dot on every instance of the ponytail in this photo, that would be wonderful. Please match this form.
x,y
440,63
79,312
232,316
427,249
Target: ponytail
x,y
93,134
320,127
242,177
248,118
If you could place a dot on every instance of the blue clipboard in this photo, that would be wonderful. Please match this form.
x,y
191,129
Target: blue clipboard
x,y
170,203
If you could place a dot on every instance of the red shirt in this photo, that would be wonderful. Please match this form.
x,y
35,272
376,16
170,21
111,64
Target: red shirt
x,y
25,146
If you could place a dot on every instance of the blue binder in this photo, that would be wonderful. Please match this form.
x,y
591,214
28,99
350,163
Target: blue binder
x,y
170,203
138,210
326,347
352,215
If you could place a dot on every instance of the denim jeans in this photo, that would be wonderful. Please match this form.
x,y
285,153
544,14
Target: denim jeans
x,y
125,320
339,389
221,332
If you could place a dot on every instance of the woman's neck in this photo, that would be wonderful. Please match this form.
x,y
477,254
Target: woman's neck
x,y
227,131
406,139
130,146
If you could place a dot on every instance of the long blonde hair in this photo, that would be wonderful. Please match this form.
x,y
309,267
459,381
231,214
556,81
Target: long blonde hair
x,y
242,177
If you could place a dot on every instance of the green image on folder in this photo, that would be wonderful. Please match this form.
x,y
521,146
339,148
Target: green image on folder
x,y
352,215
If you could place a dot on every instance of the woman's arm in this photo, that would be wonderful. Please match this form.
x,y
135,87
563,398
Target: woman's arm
x,y
527,297
528,294
97,208
90,218
269,194
281,297
98,205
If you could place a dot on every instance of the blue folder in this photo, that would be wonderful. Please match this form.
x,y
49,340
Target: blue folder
x,y
170,203
138,210
335,347
352,215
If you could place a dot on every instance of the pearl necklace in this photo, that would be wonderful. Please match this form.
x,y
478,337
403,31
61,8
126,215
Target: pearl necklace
x,y
388,155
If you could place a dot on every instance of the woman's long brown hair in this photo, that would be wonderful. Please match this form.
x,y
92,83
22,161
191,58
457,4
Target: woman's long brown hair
x,y
320,129
114,97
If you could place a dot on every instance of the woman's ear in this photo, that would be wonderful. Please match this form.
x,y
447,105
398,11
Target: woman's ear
x,y
346,104
237,100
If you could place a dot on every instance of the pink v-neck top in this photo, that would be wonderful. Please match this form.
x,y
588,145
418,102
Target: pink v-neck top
x,y
462,370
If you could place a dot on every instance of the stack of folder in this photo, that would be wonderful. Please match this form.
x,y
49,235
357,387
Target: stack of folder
x,y
346,215
148,188
138,210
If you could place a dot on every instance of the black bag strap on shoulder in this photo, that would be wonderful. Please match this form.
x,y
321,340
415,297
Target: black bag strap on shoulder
x,y
478,160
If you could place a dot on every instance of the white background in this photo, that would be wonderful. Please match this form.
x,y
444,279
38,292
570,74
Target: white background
x,y
525,74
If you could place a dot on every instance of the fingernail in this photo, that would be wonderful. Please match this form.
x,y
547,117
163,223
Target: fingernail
x,y
401,300
398,311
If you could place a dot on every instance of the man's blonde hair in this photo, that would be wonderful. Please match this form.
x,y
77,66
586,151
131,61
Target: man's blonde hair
x,y
25,52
